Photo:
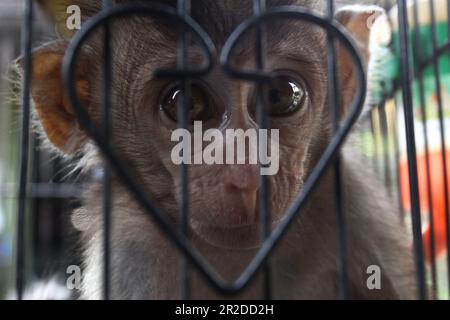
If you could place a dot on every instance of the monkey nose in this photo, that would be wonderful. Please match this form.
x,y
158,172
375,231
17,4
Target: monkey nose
x,y
242,182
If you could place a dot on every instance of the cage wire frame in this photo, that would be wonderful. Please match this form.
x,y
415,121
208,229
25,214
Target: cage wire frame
x,y
184,74
378,117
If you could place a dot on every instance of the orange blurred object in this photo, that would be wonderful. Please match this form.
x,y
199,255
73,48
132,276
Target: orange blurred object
x,y
437,195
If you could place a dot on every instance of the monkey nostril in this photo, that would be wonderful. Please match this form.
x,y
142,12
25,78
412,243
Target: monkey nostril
x,y
247,198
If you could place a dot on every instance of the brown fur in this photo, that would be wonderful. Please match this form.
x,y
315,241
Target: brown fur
x,y
145,264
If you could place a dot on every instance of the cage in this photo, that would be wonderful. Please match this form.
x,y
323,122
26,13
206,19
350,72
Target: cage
x,y
400,131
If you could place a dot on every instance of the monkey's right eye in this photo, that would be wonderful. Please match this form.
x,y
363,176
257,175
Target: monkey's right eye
x,y
200,109
286,96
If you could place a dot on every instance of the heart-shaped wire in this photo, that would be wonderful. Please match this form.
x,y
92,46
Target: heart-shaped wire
x,y
176,235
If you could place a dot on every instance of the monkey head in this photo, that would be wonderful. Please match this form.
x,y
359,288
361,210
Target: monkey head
x,y
223,198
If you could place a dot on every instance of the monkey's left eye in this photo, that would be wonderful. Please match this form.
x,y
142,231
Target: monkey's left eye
x,y
200,109
286,96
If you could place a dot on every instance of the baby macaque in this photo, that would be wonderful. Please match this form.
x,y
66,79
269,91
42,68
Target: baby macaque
x,y
224,212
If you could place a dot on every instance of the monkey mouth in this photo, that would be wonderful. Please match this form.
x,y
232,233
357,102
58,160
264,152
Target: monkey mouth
x,y
242,238
238,237
236,228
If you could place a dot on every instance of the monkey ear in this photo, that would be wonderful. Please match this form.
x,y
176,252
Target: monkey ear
x,y
358,20
53,109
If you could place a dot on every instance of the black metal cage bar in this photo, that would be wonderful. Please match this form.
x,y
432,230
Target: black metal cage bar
x,y
261,118
442,128
418,49
333,84
25,145
410,136
184,106
106,110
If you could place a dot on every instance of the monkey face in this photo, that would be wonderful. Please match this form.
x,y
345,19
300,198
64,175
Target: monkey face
x,y
223,197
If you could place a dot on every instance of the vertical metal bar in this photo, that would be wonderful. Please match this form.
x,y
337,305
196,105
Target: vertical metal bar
x,y
429,187
423,108
38,248
437,74
184,7
24,147
374,141
259,6
338,196
385,145
106,117
411,146
397,157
